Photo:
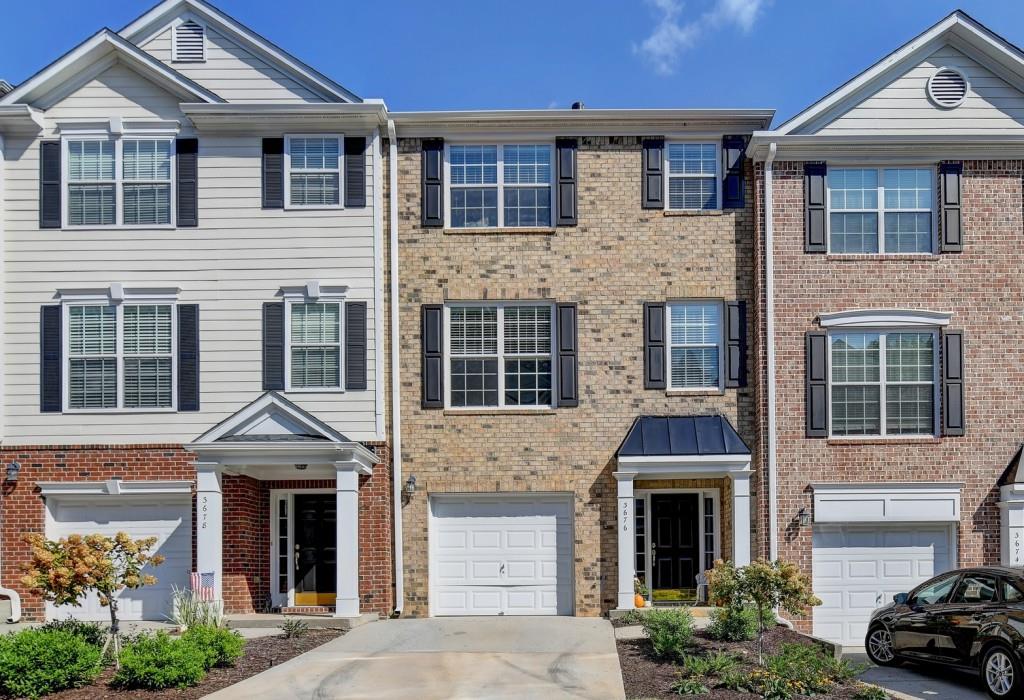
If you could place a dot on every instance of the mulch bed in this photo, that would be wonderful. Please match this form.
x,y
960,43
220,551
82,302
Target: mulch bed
x,y
646,676
260,654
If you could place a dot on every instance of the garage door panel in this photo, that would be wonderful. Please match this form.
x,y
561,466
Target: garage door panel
x,y
862,569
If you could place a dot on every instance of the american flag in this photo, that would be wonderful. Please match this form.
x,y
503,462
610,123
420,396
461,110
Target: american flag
x,y
202,585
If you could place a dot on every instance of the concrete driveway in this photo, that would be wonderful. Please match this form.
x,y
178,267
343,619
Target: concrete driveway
x,y
455,657
922,682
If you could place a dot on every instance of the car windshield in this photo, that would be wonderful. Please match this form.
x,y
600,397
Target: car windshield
x,y
935,592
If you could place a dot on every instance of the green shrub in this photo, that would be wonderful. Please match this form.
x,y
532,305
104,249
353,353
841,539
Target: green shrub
x,y
734,680
92,632
808,669
715,664
870,692
633,617
37,662
690,686
222,647
736,624
670,630
156,662
294,627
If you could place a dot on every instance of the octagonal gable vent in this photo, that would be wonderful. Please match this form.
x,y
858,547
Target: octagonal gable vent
x,y
947,87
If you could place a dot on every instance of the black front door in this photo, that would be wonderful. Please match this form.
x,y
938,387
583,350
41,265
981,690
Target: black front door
x,y
316,571
675,542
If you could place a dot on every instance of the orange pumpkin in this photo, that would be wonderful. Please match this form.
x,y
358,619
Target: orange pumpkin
x,y
639,601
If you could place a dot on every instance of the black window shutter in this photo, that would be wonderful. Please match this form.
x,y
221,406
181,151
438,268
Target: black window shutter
x,y
49,185
273,346
273,173
188,357
51,362
653,195
566,166
568,361
817,384
432,339
814,208
187,151
654,345
433,183
953,417
950,175
355,345
355,172
735,344
733,161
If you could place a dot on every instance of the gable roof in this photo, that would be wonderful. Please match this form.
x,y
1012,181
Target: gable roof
x,y
157,18
674,436
271,418
100,45
958,29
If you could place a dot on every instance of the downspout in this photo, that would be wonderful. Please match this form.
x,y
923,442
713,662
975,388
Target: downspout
x,y
5,592
396,384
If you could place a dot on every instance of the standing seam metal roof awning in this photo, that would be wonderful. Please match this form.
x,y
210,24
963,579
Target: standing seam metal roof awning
x,y
659,436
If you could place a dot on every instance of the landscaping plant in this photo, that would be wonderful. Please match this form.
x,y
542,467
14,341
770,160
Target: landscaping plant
x,y
670,630
222,647
37,662
91,632
294,628
691,686
716,664
189,610
155,662
870,692
736,624
64,571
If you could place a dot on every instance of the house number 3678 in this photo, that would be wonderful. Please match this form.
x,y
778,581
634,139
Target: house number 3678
x,y
203,512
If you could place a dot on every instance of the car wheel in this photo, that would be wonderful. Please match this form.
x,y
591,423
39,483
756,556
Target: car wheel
x,y
1001,673
878,645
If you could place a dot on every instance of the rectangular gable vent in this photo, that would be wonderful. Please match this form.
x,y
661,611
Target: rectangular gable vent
x,y
189,42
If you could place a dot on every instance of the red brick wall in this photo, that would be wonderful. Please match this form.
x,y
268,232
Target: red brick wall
x,y
981,287
246,516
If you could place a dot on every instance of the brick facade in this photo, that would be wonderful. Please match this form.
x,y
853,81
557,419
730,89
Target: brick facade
x,y
617,257
246,517
981,287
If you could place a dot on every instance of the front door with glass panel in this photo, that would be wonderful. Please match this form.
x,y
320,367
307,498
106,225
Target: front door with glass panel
x,y
315,556
675,546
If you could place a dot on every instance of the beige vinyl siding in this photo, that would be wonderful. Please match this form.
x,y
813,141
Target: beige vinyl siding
x,y
992,106
239,257
232,72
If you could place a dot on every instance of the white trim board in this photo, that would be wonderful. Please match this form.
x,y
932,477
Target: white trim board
x,y
884,318
114,487
887,502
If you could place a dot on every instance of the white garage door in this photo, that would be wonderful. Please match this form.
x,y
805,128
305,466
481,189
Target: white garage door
x,y
857,569
502,555
169,519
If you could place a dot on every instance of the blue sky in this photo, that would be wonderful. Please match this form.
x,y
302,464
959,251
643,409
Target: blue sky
x,y
485,54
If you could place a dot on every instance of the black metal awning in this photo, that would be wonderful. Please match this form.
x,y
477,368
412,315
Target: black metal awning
x,y
670,436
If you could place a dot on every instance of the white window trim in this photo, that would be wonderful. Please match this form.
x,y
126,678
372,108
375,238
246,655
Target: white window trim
x,y
669,345
288,172
883,382
105,299
500,184
717,176
880,210
174,37
158,134
885,318
313,293
499,356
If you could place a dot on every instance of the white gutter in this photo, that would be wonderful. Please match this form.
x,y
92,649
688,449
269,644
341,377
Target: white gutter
x,y
769,273
378,285
396,397
7,592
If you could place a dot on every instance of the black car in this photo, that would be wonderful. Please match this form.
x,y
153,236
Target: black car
x,y
971,618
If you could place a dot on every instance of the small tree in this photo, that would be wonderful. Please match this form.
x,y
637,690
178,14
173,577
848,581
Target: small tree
x,y
66,570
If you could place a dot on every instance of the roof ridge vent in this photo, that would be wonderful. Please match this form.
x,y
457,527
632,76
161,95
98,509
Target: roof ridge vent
x,y
947,87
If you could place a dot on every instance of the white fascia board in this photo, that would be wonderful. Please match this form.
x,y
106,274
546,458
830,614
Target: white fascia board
x,y
158,17
21,118
836,502
685,466
896,147
884,318
244,455
341,116
245,416
114,487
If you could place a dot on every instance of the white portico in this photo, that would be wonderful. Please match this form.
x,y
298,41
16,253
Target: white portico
x,y
669,531
272,439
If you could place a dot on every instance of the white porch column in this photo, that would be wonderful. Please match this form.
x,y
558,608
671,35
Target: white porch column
x,y
740,517
347,603
627,539
210,524
1011,520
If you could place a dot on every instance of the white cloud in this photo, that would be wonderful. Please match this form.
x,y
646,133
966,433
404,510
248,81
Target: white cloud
x,y
672,36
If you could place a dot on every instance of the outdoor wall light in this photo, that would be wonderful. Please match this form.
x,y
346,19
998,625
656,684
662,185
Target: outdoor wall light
x,y
12,472
410,486
803,517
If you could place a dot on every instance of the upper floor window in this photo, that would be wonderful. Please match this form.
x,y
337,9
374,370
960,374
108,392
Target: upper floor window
x,y
505,185
313,177
883,383
499,355
693,181
119,356
695,337
314,345
119,181
881,210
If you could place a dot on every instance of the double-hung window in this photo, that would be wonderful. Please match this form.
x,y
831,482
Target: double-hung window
x,y
695,336
313,162
499,355
314,345
693,182
506,185
120,356
125,181
883,383
881,210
